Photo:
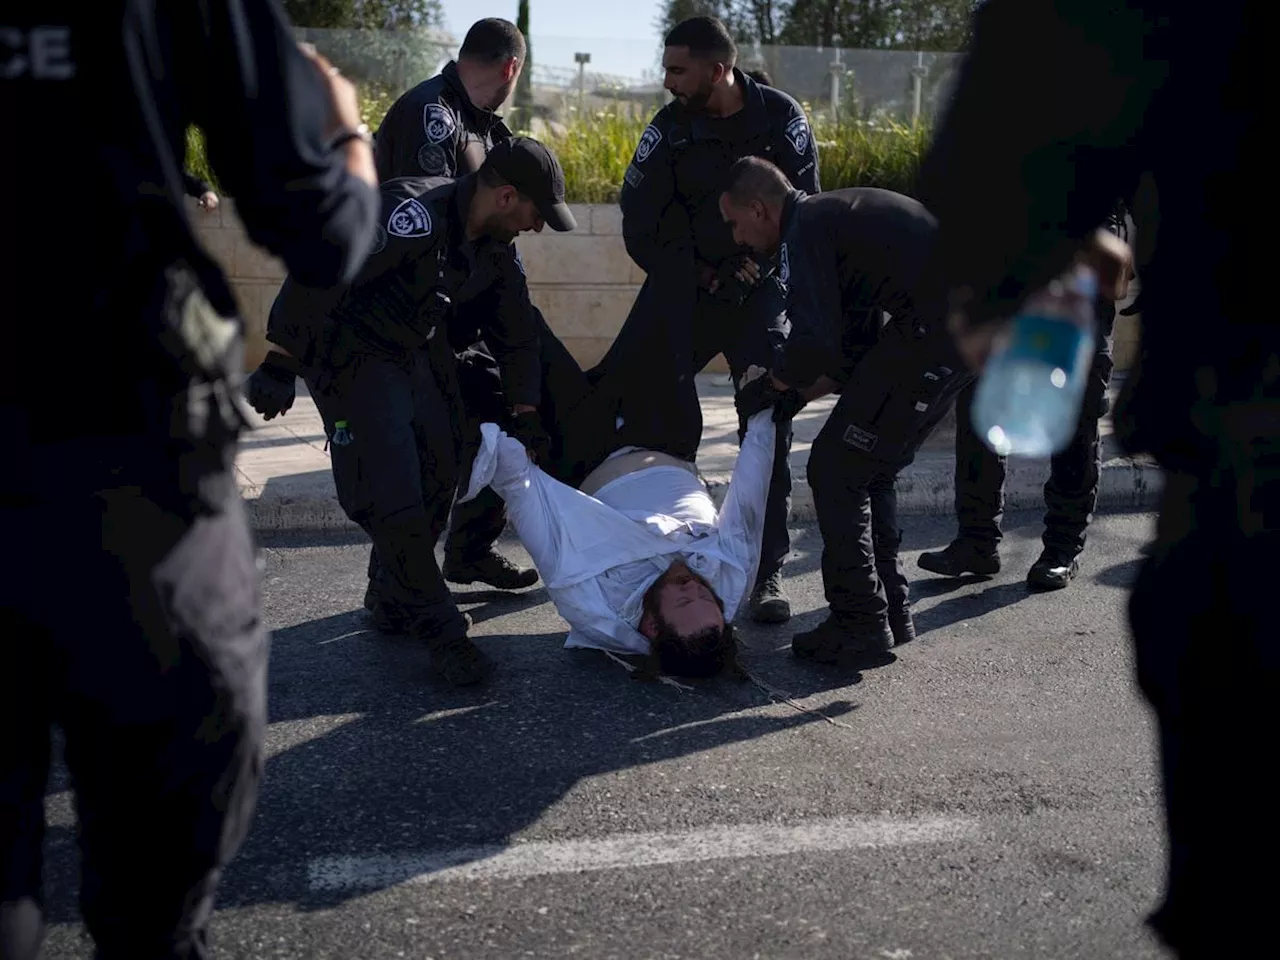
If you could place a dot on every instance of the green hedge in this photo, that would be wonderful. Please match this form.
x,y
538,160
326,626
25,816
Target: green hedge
x,y
596,149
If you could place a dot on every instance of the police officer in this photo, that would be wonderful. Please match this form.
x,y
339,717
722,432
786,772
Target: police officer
x,y
1104,98
377,359
1070,494
673,231
444,127
132,621
847,257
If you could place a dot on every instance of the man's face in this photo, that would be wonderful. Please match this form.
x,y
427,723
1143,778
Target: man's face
x,y
690,80
514,214
685,603
751,225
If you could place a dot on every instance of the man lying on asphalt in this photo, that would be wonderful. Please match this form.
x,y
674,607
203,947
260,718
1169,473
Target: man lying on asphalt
x,y
634,554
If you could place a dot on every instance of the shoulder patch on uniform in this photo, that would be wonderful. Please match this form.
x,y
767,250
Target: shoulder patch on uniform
x,y
798,134
438,123
784,266
651,137
379,239
432,159
633,176
409,219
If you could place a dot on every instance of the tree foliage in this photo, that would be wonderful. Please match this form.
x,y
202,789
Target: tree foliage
x,y
365,14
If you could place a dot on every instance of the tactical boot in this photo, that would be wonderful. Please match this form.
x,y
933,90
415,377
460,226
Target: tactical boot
x,y
854,646
769,602
492,568
902,625
459,662
1054,570
392,619
960,557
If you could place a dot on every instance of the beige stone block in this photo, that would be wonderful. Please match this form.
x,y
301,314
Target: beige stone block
x,y
634,273
568,258
1124,354
252,262
220,244
606,219
586,311
582,214
718,364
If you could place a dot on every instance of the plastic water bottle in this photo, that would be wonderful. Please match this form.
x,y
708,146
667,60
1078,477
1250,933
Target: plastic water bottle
x,y
1027,401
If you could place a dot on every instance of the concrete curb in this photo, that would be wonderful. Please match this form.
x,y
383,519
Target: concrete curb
x,y
924,489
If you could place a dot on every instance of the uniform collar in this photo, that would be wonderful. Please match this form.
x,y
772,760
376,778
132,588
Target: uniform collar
x,y
789,211
753,111
475,115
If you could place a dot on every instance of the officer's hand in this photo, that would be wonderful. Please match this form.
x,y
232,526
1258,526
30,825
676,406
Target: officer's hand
x,y
1112,260
208,201
527,428
788,405
754,396
271,388
746,270
707,278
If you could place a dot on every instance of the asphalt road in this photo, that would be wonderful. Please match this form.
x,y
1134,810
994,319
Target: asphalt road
x,y
991,794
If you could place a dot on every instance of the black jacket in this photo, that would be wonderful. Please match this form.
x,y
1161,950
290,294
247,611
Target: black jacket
x,y
105,106
1104,95
434,130
421,270
847,258
671,191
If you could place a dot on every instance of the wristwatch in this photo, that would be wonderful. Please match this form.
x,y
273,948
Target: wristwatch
x,y
347,134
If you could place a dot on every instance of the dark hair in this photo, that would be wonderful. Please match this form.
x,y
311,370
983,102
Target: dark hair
x,y
754,178
761,77
492,40
707,39
700,655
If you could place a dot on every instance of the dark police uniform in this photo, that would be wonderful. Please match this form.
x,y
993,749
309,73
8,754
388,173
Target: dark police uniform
x,y
132,621
434,130
1070,494
671,220
848,257
1103,99
377,358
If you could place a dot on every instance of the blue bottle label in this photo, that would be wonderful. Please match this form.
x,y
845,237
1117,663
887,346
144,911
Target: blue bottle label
x,y
1053,341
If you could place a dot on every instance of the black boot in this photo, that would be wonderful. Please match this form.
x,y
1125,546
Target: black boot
x,y
769,602
960,557
902,625
492,568
854,646
1054,570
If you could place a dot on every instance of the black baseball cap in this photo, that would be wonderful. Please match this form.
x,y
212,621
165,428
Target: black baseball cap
x,y
534,170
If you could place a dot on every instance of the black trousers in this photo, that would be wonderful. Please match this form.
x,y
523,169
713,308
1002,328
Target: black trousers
x,y
898,393
1071,492
1208,661
396,476
132,624
474,526
750,334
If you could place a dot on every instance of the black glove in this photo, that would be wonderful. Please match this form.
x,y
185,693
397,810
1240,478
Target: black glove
x,y
732,290
757,395
271,388
527,428
789,403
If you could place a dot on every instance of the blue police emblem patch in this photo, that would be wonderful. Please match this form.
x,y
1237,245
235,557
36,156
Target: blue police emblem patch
x,y
651,137
409,219
437,123
798,134
633,176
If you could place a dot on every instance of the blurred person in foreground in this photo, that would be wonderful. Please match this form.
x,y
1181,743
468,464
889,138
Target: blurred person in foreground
x,y
131,620
1102,95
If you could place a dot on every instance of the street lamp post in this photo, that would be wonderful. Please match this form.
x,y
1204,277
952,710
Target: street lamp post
x,y
582,59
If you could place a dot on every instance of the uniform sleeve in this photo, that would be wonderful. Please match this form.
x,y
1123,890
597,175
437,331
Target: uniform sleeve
x,y
253,86
1014,201
510,326
418,138
813,306
741,520
655,227
798,159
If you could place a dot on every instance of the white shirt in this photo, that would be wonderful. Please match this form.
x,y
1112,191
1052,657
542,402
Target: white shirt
x,y
599,555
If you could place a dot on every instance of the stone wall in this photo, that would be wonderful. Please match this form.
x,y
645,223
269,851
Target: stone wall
x,y
583,281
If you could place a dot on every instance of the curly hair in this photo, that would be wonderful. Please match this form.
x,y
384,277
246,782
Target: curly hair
x,y
701,655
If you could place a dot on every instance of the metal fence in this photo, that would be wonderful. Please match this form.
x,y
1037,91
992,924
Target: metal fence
x,y
864,84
